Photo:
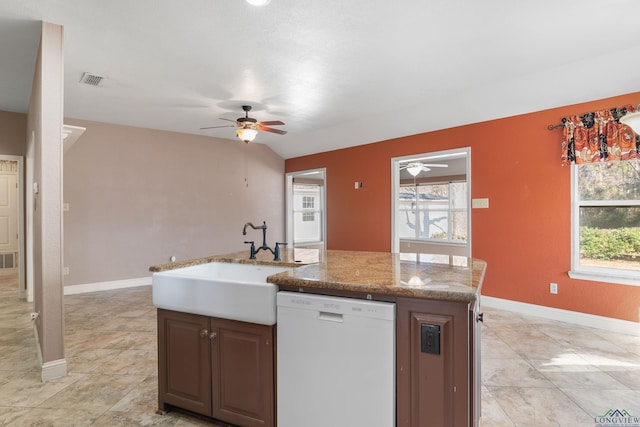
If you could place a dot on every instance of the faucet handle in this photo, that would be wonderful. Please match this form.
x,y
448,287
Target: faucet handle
x,y
252,250
276,252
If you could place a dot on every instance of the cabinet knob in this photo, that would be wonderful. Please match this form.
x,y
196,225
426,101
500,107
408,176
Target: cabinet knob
x,y
204,333
213,335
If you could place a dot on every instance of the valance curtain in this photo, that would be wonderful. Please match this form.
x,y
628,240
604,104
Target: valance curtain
x,y
599,137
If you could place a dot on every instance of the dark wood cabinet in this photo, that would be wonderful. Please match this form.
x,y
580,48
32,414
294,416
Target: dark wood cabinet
x,y
184,362
243,377
436,388
219,368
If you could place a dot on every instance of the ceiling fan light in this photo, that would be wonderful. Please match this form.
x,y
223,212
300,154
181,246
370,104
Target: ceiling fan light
x,y
632,120
414,169
258,2
247,134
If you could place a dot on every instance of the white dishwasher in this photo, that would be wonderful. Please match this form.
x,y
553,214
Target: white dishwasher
x,y
336,362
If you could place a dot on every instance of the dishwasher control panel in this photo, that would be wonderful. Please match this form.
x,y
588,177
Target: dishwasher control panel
x,y
337,305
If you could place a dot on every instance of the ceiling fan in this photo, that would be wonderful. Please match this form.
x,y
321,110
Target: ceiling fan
x,y
249,127
414,168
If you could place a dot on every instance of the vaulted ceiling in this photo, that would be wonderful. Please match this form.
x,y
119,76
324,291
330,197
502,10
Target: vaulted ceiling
x,y
338,73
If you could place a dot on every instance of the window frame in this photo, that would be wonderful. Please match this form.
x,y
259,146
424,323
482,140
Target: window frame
x,y
461,249
597,274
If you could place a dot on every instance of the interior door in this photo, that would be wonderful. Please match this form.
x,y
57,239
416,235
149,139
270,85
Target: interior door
x,y
306,209
8,219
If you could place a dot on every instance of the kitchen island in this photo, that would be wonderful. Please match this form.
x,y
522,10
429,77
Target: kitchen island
x,y
437,313
423,276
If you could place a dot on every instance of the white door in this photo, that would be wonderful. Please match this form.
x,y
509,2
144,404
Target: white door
x,y
306,209
8,220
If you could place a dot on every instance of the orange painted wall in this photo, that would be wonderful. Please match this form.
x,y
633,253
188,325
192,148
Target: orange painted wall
x,y
524,235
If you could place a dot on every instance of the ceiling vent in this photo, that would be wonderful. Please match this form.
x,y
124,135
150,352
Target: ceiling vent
x,y
91,79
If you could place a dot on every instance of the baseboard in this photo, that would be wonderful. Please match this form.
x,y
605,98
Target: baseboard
x,y
577,318
54,369
39,350
49,370
106,286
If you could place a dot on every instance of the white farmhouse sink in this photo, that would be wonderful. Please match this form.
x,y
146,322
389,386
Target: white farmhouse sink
x,y
219,289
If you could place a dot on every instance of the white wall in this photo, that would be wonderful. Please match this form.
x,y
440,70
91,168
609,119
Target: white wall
x,y
138,196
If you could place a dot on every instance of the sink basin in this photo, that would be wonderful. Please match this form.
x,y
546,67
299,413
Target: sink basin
x,y
219,289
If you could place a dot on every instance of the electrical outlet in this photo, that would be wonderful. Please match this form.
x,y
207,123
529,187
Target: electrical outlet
x,y
33,316
553,288
65,271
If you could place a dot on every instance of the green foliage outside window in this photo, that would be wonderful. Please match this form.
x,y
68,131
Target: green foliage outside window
x,y
610,244
609,215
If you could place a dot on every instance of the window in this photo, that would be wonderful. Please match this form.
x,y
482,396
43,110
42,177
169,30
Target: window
x,y
433,212
308,202
606,221
308,216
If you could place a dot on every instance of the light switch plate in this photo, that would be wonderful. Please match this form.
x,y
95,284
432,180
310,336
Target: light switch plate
x,y
480,203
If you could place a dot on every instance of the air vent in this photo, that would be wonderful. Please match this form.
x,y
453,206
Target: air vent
x,y
8,260
91,79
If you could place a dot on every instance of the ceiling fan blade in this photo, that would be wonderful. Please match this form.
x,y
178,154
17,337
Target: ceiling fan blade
x,y
266,129
215,127
434,165
272,123
229,120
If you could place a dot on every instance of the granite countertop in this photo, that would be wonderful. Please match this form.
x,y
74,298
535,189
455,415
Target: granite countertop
x,y
439,277
423,276
291,257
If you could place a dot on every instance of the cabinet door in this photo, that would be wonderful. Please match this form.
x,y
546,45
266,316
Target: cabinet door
x,y
243,373
184,361
432,381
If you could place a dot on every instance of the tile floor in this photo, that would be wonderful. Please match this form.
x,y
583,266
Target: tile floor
x,y
535,372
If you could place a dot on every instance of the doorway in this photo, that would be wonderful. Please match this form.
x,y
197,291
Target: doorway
x,y
12,221
306,209
431,203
